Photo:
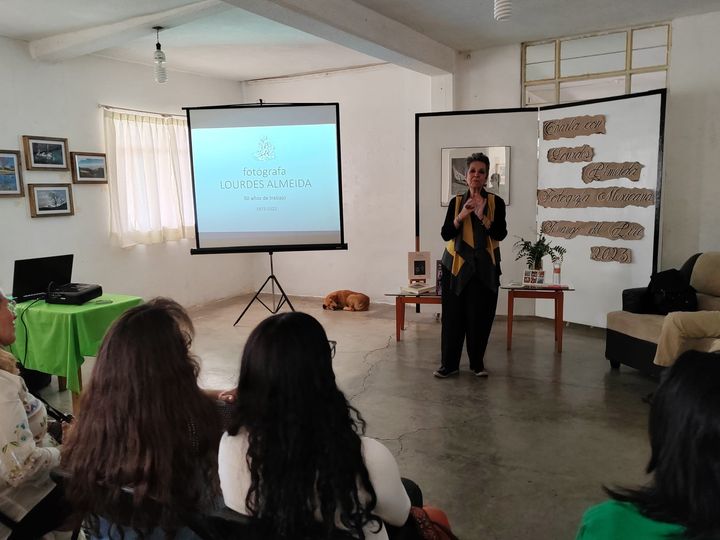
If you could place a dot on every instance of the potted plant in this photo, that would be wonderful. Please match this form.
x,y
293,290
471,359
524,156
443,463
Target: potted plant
x,y
535,251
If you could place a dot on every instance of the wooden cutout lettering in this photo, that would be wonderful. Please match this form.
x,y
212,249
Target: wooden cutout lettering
x,y
573,126
613,230
611,254
597,172
576,154
615,197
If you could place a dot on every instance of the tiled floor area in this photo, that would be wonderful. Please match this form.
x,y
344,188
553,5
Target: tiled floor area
x,y
518,455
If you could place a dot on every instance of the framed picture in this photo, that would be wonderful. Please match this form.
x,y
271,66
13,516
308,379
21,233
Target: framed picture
x,y
418,265
533,277
45,153
454,169
51,200
88,168
11,182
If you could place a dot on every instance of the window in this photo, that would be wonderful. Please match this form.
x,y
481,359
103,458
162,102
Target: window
x,y
150,183
595,66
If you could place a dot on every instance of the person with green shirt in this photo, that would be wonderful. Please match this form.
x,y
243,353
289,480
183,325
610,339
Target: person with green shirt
x,y
682,500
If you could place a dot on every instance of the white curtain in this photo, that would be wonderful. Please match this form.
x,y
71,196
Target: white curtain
x,y
148,157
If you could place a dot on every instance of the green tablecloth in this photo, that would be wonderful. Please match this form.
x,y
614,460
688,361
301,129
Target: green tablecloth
x,y
61,335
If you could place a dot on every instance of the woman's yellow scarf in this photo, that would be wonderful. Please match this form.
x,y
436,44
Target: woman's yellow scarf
x,y
467,234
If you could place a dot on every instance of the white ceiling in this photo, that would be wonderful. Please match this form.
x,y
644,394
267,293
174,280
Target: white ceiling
x,y
273,38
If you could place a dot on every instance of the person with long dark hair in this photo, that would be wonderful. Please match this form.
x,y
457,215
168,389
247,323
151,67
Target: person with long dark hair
x,y
294,456
142,456
473,228
681,501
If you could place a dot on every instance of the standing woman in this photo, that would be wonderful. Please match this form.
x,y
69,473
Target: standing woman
x,y
294,456
474,226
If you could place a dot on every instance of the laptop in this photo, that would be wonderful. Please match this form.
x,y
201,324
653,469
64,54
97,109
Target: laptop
x,y
33,278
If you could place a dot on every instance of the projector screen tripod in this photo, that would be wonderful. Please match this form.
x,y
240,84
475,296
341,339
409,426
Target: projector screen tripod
x,y
273,281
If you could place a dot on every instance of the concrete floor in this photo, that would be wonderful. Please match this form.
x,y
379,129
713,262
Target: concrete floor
x,y
518,455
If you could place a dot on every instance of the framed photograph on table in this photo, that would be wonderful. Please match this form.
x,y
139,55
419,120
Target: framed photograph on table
x,y
51,200
11,182
88,168
454,169
419,266
45,153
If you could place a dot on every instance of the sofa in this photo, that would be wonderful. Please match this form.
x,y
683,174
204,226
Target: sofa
x,y
634,332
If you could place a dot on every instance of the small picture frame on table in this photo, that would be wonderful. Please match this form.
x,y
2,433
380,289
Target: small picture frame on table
x,y
418,266
45,153
533,277
51,200
11,181
88,168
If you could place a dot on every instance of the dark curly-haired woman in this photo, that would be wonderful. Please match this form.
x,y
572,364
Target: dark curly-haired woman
x,y
294,455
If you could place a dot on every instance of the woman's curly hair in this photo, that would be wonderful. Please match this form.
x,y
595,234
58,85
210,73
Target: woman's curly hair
x,y
304,452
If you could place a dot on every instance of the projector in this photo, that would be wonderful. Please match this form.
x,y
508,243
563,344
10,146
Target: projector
x,y
74,293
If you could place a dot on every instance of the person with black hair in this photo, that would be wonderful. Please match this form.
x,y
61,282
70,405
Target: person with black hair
x,y
294,456
681,501
473,228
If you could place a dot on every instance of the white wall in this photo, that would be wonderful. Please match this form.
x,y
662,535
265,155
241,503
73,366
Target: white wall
x,y
691,187
377,114
488,78
61,100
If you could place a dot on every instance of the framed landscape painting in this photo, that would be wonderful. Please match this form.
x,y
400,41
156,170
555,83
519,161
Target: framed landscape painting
x,y
45,153
11,182
88,168
51,200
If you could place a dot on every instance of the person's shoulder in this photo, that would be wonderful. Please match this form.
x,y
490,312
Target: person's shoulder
x,y
610,508
10,385
618,515
375,450
498,199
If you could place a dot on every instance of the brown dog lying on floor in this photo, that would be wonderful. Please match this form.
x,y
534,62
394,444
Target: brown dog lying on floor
x,y
347,300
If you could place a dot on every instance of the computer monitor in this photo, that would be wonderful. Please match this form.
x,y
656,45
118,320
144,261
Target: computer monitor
x,y
33,278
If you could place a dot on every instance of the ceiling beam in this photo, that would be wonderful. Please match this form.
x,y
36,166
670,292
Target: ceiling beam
x,y
354,26
73,44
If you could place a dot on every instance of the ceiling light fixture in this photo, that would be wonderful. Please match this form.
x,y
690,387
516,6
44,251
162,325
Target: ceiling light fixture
x,y
159,57
503,10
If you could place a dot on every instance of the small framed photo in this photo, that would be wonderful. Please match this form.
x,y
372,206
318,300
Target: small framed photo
x,y
88,168
533,277
45,153
418,265
51,200
11,182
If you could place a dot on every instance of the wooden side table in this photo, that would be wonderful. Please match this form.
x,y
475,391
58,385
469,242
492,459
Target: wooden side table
x,y
551,293
402,299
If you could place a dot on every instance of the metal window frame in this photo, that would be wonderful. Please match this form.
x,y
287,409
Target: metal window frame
x,y
627,73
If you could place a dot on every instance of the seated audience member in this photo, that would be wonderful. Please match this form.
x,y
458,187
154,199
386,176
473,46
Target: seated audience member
x,y
294,455
141,458
30,502
681,501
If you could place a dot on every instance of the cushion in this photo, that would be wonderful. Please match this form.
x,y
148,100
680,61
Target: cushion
x,y
638,325
707,302
706,274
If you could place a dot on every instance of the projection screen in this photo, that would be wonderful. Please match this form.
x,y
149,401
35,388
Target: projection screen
x,y
266,177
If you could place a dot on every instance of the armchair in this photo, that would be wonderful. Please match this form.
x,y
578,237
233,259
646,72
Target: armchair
x,y
634,333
